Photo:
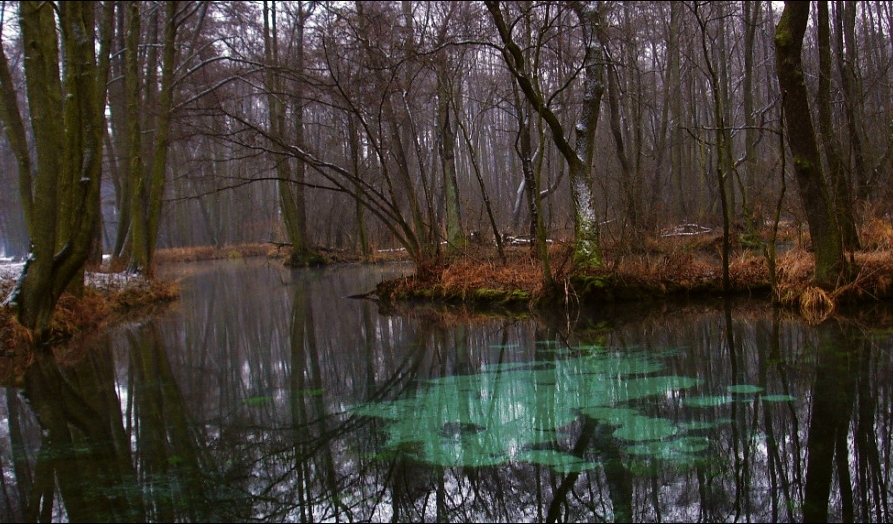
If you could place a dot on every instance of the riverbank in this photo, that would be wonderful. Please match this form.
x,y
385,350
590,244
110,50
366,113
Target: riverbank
x,y
108,297
671,267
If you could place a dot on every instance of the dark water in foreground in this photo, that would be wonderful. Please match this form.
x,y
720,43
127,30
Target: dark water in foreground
x,y
264,395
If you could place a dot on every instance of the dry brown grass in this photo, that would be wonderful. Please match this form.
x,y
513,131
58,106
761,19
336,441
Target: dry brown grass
x,y
74,317
816,305
877,234
192,254
672,266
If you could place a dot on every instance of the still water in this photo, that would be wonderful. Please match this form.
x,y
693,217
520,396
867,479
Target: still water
x,y
265,394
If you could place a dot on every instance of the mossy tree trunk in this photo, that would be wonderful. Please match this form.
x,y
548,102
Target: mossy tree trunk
x,y
67,107
446,138
830,264
147,182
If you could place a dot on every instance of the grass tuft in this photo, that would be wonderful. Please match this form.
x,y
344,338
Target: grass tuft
x,y
815,305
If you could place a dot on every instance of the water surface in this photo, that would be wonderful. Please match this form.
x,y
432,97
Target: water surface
x,y
265,394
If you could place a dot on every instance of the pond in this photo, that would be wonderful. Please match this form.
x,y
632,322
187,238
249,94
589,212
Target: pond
x,y
266,394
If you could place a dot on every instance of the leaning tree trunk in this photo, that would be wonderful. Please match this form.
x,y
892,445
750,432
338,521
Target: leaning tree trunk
x,y
830,263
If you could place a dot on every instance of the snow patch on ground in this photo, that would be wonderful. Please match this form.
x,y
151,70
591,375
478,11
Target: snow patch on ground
x,y
11,270
106,282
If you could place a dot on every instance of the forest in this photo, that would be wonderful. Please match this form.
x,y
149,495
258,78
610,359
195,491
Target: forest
x,y
431,126
637,228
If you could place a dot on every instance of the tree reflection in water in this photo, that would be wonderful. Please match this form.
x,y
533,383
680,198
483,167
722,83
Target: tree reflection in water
x,y
240,404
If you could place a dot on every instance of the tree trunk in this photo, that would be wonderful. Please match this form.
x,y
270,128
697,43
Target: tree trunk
x,y
841,194
139,257
68,120
829,260
850,81
446,134
532,186
162,131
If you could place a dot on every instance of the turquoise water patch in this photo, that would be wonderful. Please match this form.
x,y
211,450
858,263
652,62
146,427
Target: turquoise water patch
x,y
707,401
557,460
484,419
641,428
610,415
779,398
744,389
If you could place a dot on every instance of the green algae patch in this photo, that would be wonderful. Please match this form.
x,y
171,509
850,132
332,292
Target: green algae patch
x,y
779,398
744,389
708,401
511,408
641,428
557,460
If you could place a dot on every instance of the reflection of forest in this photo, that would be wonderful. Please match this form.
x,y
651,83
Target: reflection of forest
x,y
239,410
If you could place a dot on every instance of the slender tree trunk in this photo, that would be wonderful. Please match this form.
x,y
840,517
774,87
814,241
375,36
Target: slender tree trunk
x,y
841,194
723,146
290,177
631,189
748,194
532,185
447,149
162,131
850,81
139,256
587,248
472,156
354,144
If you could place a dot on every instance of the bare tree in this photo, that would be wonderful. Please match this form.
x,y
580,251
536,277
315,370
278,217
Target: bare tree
x,y
587,248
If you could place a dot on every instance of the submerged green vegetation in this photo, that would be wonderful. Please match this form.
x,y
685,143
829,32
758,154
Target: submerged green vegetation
x,y
526,411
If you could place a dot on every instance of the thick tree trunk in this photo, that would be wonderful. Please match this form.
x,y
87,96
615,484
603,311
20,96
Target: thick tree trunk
x,y
447,149
68,120
829,259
